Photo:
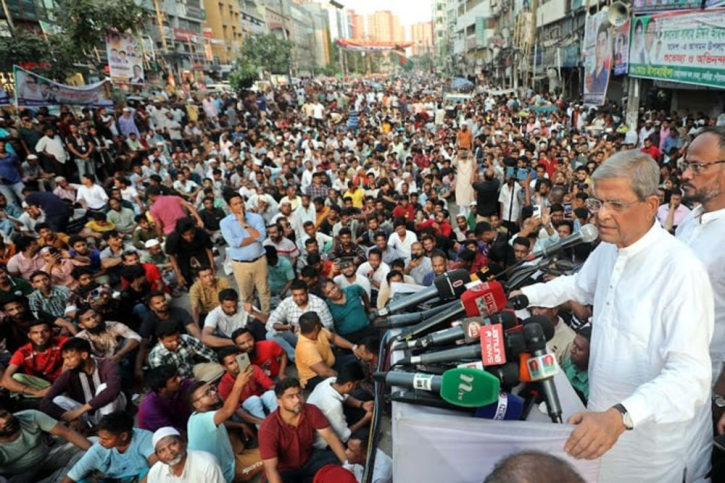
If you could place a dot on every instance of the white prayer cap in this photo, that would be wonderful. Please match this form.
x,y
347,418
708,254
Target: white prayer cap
x,y
161,433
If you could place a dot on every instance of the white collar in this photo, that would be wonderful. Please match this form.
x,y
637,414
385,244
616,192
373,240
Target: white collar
x,y
709,217
649,238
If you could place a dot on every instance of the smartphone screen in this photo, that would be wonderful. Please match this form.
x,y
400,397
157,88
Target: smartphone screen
x,y
567,211
537,210
243,362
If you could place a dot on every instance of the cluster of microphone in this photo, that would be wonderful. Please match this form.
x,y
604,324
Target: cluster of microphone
x,y
473,366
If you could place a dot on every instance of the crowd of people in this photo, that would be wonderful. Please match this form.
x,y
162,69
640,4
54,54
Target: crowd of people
x,y
287,218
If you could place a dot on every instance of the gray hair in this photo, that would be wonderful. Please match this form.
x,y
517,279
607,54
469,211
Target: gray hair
x,y
641,170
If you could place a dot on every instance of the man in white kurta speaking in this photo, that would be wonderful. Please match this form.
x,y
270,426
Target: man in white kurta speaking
x,y
649,369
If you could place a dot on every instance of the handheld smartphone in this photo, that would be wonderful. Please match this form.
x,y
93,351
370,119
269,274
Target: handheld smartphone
x,y
243,362
509,172
568,211
522,173
537,211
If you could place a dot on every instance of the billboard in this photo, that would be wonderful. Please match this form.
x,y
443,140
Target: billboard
x,y
649,6
125,58
32,90
687,47
598,58
621,48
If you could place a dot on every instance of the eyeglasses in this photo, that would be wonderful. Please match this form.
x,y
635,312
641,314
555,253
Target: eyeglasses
x,y
210,390
698,167
594,205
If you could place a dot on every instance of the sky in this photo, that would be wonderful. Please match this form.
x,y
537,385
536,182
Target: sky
x,y
408,11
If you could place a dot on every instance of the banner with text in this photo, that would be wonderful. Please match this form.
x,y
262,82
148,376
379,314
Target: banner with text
x,y
647,6
621,48
598,58
4,98
32,90
687,47
125,58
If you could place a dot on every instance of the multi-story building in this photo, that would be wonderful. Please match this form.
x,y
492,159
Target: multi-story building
x,y
224,29
358,25
384,26
421,34
441,31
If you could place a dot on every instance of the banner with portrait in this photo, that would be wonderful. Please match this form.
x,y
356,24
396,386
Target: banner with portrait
x,y
598,58
686,47
125,58
621,48
4,98
33,90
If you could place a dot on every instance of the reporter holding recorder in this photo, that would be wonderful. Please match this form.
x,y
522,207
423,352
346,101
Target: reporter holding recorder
x,y
648,414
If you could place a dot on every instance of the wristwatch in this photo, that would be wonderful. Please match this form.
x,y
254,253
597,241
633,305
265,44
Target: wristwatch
x,y
626,418
719,401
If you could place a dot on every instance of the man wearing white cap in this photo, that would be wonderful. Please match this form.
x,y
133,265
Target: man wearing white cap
x,y
179,465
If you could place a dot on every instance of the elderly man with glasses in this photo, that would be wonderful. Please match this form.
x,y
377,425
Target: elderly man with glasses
x,y
649,371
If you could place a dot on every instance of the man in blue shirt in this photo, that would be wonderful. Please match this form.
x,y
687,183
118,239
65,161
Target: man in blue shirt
x,y
244,234
122,453
11,183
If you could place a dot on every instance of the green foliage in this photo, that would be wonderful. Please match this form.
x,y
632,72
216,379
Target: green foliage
x,y
267,53
86,22
84,25
244,75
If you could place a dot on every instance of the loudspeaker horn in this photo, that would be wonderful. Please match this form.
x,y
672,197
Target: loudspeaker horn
x,y
618,14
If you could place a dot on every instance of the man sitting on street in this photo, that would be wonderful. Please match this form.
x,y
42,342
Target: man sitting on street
x,y
257,399
166,403
267,354
87,390
26,449
176,462
183,351
204,294
287,435
230,315
36,365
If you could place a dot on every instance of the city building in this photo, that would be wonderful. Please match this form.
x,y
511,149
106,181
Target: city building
x,y
421,34
384,26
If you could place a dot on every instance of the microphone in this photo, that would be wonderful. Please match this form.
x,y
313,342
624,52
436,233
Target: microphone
x,y
546,325
404,320
509,407
449,285
470,331
542,368
478,301
507,374
587,234
491,350
518,302
461,386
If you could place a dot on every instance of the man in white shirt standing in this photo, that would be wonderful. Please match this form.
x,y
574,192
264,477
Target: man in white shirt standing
x,y
650,379
703,230
331,394
177,464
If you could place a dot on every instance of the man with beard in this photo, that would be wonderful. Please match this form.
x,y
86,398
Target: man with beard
x,y
133,296
122,453
18,318
26,454
285,247
230,315
131,258
188,246
184,352
27,259
112,340
35,366
295,421
177,464
207,429
91,387
267,354
390,254
166,403
702,230
204,294
82,253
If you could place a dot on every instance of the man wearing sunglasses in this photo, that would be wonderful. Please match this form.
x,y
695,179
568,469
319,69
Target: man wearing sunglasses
x,y
649,370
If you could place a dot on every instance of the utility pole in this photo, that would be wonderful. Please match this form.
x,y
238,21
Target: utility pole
x,y
9,18
534,38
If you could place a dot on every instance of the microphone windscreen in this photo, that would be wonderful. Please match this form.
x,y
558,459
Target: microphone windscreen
x,y
546,325
509,407
452,284
589,233
506,318
518,302
469,388
484,299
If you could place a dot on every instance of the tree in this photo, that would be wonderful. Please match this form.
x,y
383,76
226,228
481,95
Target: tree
x,y
268,52
244,75
83,27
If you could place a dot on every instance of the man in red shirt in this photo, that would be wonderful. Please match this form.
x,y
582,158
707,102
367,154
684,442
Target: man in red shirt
x,y
287,435
257,399
652,150
34,366
267,354
153,274
404,209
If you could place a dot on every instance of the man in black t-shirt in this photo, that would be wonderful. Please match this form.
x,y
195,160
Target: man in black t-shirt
x,y
187,247
486,195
